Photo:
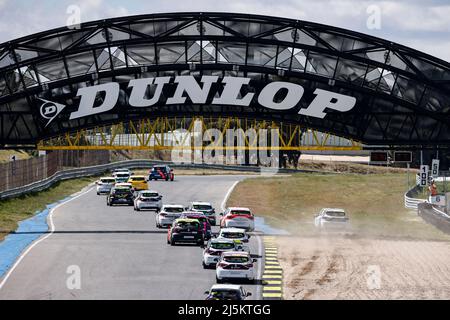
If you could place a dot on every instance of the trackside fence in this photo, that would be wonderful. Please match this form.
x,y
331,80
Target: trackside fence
x,y
20,173
93,170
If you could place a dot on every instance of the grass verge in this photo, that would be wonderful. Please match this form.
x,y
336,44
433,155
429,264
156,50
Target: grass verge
x,y
374,203
5,155
17,209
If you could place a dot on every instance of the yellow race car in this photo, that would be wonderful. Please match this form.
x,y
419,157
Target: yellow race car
x,y
138,183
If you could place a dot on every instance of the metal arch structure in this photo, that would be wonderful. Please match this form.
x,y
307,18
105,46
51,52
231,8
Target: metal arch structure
x,y
165,133
402,95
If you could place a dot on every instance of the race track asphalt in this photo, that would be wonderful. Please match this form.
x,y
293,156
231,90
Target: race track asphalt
x,y
119,252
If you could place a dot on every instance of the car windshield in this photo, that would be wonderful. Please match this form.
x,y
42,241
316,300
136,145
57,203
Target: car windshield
x,y
335,213
159,168
123,175
202,207
240,212
201,219
236,259
138,179
232,235
121,191
149,194
186,225
173,210
221,246
226,294
107,180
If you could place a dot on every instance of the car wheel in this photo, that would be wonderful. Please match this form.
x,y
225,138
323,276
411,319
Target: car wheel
x,y
219,280
205,266
172,243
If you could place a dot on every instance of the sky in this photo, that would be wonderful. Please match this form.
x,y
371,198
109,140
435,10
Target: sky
x,y
421,24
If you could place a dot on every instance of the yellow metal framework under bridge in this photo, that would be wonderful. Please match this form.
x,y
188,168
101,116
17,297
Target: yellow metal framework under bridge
x,y
179,133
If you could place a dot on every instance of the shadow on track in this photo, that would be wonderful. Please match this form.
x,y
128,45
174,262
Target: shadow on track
x,y
89,232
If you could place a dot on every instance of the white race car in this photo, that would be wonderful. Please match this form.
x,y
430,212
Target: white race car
x,y
238,217
233,234
105,184
227,292
168,214
124,170
122,176
216,247
235,265
148,199
331,217
206,208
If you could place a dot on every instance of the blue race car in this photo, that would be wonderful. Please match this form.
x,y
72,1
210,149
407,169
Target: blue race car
x,y
162,172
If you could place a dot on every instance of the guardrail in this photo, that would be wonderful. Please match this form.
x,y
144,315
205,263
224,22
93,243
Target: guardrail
x,y
132,164
410,201
434,216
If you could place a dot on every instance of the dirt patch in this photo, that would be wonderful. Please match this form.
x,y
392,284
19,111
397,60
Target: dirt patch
x,y
336,267
374,203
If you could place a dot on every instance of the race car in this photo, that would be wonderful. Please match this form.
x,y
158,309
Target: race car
x,y
331,217
187,231
233,234
138,183
238,218
120,195
161,172
202,219
236,265
125,185
227,292
216,247
123,170
168,214
148,199
122,176
105,184
206,208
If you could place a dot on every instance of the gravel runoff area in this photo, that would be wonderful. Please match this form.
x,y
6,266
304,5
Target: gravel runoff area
x,y
334,267
388,253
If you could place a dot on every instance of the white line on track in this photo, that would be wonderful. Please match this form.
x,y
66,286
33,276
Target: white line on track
x,y
224,202
51,231
259,275
258,238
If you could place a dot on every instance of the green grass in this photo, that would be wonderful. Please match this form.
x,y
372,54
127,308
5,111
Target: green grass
x,y
442,188
5,155
375,203
17,209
